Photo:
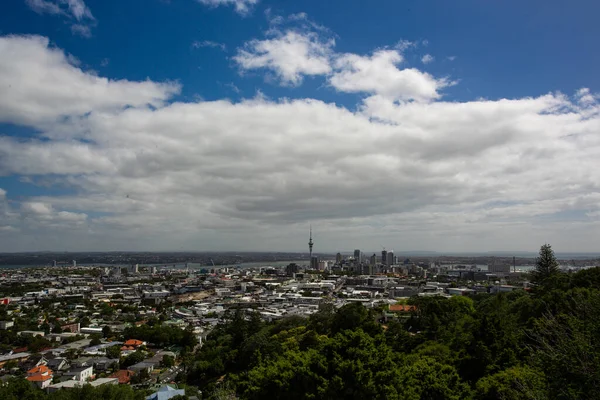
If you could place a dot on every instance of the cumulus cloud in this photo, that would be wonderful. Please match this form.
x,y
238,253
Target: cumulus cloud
x,y
242,7
42,215
493,174
74,10
427,58
41,85
307,49
290,55
380,74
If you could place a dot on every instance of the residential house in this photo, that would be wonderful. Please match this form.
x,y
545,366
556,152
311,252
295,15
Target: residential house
x,y
134,343
103,363
142,366
40,376
6,324
76,384
58,364
124,376
81,374
16,356
165,393
33,362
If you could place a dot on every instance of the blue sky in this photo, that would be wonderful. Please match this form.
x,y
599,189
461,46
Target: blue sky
x,y
461,110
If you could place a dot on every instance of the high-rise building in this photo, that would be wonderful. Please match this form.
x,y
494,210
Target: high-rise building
x,y
74,263
373,259
338,258
383,256
314,262
390,258
357,255
292,269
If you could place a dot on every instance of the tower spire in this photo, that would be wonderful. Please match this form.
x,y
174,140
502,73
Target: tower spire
x,y
310,243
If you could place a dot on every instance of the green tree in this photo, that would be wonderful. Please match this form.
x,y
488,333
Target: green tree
x,y
566,347
168,361
427,379
546,268
106,331
134,358
96,340
516,383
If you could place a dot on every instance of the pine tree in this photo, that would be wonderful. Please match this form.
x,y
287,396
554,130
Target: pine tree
x,y
546,266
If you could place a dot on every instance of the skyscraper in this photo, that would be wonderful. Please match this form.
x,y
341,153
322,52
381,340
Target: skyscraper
x,y
357,255
374,259
338,258
383,256
314,263
390,258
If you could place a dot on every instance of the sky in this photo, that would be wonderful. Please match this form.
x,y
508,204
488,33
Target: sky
x,y
234,125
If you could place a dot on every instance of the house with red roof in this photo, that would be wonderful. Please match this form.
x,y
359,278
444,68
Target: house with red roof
x,y
124,376
41,376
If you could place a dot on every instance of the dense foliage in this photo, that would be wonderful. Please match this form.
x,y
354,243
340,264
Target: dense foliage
x,y
538,344
161,335
20,389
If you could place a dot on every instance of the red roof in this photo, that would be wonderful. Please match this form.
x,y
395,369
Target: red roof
x,y
134,342
401,308
124,375
42,369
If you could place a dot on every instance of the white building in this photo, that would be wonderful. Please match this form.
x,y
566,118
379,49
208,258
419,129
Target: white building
x,y
82,374
6,324
91,330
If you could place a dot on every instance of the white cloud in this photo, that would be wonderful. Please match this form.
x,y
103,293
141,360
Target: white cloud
x,y
209,43
493,175
379,74
242,7
427,58
43,215
404,45
81,30
585,96
44,7
79,10
290,55
75,10
451,58
41,85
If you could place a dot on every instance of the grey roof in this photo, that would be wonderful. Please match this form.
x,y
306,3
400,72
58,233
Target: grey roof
x,y
165,393
14,356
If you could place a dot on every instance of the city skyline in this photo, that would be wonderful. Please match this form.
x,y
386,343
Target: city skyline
x,y
240,125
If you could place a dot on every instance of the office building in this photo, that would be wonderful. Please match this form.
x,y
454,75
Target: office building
x,y
338,258
373,259
390,258
314,263
292,269
383,256
357,255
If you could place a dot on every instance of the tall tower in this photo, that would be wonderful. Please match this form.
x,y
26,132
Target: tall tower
x,y
310,243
